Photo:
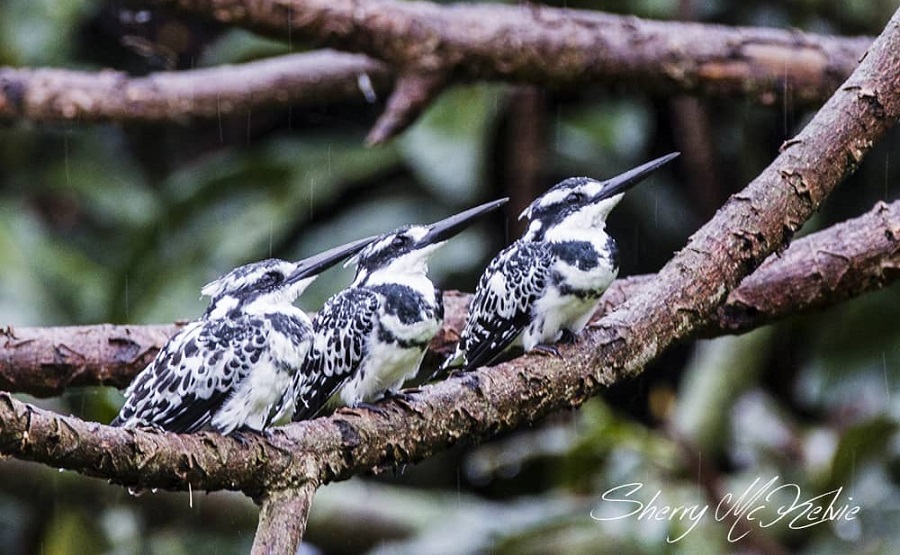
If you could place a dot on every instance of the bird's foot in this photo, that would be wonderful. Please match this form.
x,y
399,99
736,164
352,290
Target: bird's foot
x,y
404,395
567,337
244,434
451,365
370,406
404,398
546,350
348,410
240,436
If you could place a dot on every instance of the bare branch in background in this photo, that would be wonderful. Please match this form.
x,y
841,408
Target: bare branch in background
x,y
436,45
556,47
293,80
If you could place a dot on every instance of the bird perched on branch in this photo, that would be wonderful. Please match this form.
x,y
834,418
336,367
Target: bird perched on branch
x,y
544,287
371,337
233,368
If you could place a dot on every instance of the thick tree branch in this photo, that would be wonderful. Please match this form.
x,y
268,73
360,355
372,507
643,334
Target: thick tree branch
x,y
297,79
760,219
551,46
144,458
815,272
811,274
45,361
822,269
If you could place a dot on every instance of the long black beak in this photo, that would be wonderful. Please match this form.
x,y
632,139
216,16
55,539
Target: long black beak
x,y
621,183
318,263
448,227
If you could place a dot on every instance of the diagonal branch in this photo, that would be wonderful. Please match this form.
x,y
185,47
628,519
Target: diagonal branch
x,y
822,269
292,80
757,221
813,273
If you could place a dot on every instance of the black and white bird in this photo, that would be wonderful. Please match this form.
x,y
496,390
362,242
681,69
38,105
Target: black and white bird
x,y
233,368
371,337
544,287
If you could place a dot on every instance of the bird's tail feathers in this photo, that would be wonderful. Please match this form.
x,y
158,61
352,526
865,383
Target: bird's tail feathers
x,y
452,362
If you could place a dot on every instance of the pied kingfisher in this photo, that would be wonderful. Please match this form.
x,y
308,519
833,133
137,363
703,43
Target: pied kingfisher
x,y
371,337
234,367
545,287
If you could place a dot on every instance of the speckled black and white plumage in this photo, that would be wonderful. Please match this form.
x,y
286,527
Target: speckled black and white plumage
x,y
369,340
235,367
222,373
371,337
549,282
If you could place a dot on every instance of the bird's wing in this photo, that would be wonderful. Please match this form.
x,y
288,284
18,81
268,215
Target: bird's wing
x,y
342,329
193,375
503,301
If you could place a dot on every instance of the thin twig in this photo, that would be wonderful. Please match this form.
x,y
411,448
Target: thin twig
x,y
282,519
412,94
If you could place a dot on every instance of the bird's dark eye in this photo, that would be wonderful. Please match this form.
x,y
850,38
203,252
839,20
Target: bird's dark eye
x,y
273,276
574,196
399,241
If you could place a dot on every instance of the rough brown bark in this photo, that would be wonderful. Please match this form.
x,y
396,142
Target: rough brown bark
x,y
144,458
810,271
551,46
815,272
822,269
46,361
293,80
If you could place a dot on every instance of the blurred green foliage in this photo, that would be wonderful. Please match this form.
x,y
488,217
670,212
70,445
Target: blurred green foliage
x,y
110,223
